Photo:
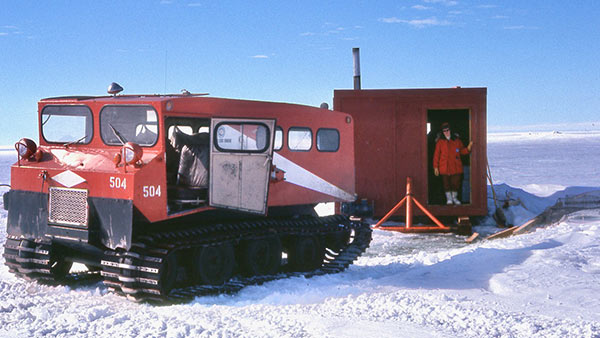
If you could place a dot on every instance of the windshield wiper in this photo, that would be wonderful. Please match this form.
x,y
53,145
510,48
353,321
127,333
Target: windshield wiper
x,y
44,122
117,134
66,145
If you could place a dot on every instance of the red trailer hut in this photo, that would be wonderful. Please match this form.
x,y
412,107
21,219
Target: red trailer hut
x,y
395,132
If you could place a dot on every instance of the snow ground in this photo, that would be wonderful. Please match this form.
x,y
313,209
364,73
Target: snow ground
x,y
541,284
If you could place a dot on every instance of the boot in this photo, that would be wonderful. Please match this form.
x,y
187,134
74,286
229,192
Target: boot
x,y
455,198
449,198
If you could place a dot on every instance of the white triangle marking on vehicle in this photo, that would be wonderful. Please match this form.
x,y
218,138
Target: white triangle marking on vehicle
x,y
68,178
297,175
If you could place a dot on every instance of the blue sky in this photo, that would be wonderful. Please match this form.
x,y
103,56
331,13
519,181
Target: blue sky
x,y
539,59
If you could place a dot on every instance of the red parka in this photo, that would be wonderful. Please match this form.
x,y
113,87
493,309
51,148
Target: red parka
x,y
447,156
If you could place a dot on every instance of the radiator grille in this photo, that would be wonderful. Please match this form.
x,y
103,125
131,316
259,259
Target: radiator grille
x,y
68,206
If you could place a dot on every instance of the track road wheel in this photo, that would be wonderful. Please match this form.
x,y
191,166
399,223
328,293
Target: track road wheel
x,y
337,240
305,253
59,268
213,264
26,248
168,274
260,257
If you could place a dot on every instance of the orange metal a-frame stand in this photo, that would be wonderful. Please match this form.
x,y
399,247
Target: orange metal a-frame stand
x,y
409,199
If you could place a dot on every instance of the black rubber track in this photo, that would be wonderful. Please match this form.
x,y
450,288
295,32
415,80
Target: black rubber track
x,y
136,273
31,260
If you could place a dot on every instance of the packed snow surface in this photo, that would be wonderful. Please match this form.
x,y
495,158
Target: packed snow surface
x,y
541,284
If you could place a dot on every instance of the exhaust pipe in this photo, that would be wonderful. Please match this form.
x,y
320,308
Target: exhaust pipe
x,y
356,58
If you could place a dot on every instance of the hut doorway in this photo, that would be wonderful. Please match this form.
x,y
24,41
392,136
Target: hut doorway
x,y
460,123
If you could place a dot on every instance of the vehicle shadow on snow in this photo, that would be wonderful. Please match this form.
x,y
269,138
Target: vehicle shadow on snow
x,y
469,270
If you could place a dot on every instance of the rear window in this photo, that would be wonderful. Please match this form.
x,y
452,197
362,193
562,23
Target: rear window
x,y
121,124
328,139
182,128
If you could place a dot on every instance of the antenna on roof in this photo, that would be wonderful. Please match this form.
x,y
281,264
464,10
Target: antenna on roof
x,y
166,54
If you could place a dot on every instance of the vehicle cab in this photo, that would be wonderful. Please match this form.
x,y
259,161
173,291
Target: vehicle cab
x,y
109,167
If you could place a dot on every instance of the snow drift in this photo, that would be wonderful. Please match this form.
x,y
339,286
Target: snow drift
x,y
543,284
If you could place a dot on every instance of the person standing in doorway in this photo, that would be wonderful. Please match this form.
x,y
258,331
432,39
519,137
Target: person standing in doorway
x,y
447,162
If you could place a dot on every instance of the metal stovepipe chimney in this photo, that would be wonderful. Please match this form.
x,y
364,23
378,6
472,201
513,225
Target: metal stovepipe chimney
x,y
356,58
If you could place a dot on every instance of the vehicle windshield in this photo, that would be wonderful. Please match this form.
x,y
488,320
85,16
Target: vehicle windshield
x,y
121,124
67,124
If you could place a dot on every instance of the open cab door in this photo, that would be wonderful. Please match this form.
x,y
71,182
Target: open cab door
x,y
240,163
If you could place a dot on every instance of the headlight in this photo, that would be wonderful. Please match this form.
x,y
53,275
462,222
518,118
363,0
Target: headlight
x,y
131,153
26,148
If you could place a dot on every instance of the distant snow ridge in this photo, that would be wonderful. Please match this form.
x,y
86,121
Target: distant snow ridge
x,y
541,136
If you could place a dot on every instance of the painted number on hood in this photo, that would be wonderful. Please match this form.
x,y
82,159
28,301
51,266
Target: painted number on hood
x,y
151,191
118,183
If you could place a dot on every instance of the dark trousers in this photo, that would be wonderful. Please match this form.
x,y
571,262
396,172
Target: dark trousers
x,y
451,182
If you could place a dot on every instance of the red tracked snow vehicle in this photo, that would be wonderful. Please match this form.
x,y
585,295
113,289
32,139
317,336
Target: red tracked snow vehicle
x,y
169,196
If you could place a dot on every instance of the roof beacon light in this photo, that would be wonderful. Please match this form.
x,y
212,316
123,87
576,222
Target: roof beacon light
x,y
114,89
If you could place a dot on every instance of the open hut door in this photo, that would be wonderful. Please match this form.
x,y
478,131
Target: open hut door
x,y
460,126
240,163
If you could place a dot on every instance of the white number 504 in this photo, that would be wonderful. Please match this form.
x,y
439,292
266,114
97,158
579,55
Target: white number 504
x,y
118,183
151,191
